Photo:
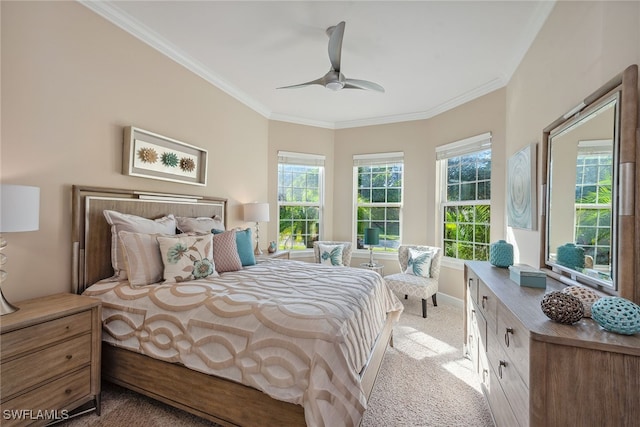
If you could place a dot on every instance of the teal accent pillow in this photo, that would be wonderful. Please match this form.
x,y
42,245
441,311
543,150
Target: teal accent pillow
x,y
245,246
330,254
419,263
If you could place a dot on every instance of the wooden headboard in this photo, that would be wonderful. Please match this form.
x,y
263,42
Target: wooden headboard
x,y
91,239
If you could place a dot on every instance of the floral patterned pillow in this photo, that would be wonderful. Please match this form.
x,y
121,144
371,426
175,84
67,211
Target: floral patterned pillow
x,y
419,263
330,254
187,257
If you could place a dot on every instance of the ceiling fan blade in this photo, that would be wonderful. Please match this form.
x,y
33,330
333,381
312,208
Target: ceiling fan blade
x,y
362,84
319,81
335,45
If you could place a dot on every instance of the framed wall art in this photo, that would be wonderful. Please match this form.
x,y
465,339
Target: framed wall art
x,y
521,189
149,155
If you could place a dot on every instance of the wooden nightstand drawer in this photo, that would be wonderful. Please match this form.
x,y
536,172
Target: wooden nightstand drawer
x,y
24,372
51,397
33,337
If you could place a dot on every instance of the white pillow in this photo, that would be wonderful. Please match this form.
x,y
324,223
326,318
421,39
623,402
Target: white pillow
x,y
201,224
330,254
136,224
419,263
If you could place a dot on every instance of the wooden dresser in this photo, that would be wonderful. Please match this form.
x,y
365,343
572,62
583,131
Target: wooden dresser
x,y
50,359
536,372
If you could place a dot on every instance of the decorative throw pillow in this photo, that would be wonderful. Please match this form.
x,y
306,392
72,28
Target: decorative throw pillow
x,y
142,258
419,263
199,225
187,257
225,252
330,254
136,224
245,247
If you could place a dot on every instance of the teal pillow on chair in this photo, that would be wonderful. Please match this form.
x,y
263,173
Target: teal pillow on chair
x,y
245,246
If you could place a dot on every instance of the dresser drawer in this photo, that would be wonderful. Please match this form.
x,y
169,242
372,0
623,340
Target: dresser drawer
x,y
500,409
514,337
506,375
488,305
26,339
52,397
21,373
472,284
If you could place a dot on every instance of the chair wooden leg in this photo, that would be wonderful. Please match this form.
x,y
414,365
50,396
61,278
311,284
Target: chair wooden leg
x,y
424,308
406,296
433,298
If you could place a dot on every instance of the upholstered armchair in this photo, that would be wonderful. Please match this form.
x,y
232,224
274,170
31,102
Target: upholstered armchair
x,y
413,281
346,251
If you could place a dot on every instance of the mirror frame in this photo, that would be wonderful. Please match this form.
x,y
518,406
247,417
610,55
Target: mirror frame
x,y
627,206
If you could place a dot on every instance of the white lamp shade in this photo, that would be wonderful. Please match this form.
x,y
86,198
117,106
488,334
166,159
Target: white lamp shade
x,y
256,212
19,208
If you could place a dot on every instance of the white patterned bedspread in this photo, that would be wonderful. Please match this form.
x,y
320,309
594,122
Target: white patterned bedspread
x,y
298,331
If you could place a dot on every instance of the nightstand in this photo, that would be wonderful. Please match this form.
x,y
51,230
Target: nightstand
x,y
378,268
50,359
276,255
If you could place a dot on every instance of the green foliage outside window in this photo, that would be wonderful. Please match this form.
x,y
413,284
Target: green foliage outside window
x,y
467,212
379,203
593,206
299,198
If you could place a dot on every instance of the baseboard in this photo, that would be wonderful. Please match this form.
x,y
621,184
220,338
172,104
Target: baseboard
x,y
449,300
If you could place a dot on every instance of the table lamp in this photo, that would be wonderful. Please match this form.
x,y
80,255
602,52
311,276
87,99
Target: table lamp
x,y
371,238
256,212
19,211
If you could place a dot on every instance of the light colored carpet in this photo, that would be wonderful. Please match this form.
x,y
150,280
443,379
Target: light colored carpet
x,y
424,381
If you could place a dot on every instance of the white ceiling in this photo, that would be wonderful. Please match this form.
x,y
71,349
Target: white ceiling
x,y
430,56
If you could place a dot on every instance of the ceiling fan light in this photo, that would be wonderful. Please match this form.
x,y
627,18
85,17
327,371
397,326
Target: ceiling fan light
x,y
336,85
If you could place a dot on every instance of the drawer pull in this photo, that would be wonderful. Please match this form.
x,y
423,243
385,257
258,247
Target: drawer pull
x,y
484,298
470,281
502,363
485,374
69,356
506,336
68,391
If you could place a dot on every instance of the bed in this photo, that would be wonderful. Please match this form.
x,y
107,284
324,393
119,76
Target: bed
x,y
276,343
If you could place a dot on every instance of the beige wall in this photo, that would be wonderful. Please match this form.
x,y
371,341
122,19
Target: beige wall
x,y
71,81
301,139
418,140
581,47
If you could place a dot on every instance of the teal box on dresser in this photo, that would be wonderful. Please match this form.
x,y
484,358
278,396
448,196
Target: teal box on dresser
x,y
525,275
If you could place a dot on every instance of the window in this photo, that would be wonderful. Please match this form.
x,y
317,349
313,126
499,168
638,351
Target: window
x,y
378,180
465,197
300,199
593,200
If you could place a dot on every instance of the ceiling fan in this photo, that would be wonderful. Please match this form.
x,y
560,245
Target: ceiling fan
x,y
334,79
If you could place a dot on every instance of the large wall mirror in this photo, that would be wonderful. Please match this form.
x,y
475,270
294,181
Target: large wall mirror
x,y
588,228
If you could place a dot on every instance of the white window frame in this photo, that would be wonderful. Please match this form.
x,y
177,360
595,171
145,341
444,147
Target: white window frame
x,y
372,160
444,152
303,159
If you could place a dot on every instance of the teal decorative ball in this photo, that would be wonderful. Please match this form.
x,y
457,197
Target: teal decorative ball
x,y
501,254
617,315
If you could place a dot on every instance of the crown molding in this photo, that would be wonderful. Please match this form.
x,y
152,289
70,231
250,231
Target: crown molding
x,y
134,27
446,106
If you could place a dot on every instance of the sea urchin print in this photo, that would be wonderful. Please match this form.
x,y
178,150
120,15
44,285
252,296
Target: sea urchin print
x,y
148,155
187,164
169,159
